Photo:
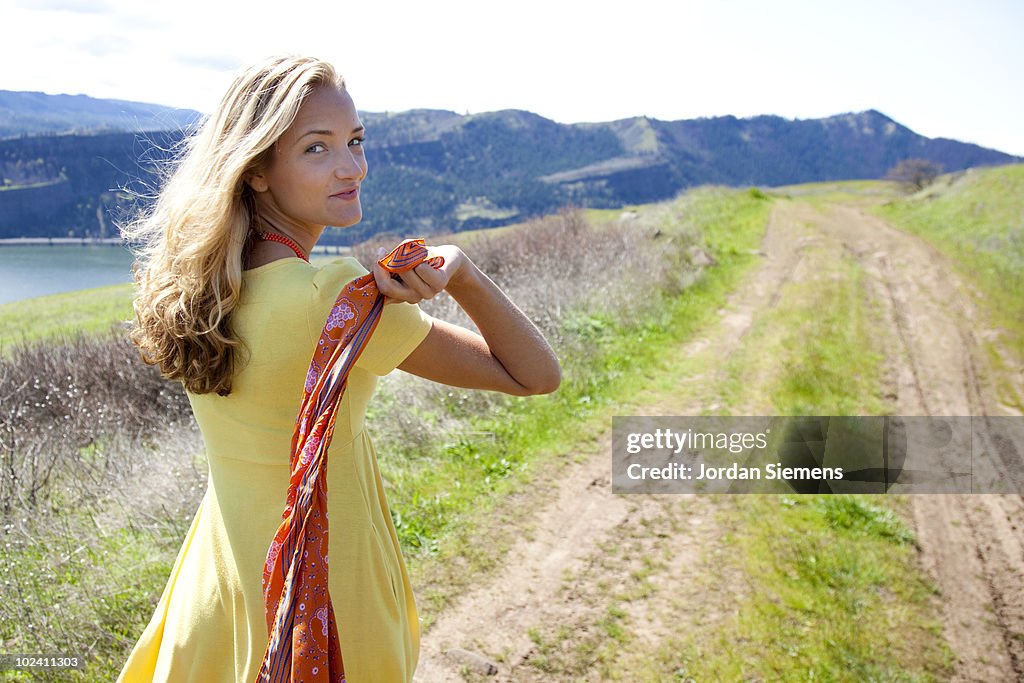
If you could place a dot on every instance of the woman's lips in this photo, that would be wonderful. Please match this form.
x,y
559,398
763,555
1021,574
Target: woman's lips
x,y
347,195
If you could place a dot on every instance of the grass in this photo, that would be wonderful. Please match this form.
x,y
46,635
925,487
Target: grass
x,y
112,605
481,207
832,594
60,315
819,346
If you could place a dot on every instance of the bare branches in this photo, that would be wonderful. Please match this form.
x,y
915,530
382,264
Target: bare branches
x,y
914,175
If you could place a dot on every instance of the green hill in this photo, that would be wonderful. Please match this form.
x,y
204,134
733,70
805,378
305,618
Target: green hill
x,y
438,171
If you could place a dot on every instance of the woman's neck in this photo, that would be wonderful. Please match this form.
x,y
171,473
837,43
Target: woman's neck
x,y
305,236
267,244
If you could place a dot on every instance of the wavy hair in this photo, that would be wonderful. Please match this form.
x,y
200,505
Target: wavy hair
x,y
192,238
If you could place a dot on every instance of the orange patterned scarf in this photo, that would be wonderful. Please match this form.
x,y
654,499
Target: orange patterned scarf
x,y
303,635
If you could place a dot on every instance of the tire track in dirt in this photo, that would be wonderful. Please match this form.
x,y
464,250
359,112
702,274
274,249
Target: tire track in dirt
x,y
972,545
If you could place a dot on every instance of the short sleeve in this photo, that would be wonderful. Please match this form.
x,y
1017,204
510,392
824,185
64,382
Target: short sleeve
x,y
401,328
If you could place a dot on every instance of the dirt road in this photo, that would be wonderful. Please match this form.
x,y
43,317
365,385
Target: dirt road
x,y
568,588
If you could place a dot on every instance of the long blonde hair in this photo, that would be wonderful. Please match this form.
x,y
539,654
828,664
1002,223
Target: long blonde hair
x,y
189,264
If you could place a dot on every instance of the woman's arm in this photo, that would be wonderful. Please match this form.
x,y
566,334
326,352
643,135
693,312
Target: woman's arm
x,y
512,356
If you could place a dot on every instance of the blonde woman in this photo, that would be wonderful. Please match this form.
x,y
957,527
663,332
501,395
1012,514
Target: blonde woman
x,y
229,305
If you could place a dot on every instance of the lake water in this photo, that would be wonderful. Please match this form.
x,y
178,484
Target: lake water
x,y
30,271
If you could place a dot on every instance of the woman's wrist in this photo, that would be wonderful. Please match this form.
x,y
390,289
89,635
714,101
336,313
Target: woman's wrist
x,y
465,280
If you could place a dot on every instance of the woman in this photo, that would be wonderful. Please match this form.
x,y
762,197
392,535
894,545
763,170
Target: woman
x,y
230,306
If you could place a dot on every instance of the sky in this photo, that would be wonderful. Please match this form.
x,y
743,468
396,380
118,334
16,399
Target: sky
x,y
944,69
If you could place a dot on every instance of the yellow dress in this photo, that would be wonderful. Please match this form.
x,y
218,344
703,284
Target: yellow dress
x,y
209,625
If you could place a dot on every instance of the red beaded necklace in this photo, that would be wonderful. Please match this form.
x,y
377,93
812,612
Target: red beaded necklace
x,y
286,241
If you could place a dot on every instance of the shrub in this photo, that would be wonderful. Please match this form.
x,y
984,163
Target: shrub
x,y
914,175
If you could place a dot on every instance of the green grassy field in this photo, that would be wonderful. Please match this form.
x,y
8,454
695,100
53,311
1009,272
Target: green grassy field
x,y
59,315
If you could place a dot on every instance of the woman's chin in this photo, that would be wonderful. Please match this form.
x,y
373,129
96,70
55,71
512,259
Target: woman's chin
x,y
348,221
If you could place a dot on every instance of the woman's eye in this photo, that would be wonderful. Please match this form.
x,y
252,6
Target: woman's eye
x,y
356,142
316,149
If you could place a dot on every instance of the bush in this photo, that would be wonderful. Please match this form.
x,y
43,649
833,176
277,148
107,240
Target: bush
x,y
914,175
58,402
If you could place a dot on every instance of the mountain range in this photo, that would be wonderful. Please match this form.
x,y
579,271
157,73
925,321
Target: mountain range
x,y
35,113
432,171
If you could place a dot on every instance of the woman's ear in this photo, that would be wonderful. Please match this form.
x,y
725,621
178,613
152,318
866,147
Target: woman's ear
x,y
257,181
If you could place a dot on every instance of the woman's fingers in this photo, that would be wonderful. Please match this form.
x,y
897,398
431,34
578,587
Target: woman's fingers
x,y
422,282
436,279
392,289
414,281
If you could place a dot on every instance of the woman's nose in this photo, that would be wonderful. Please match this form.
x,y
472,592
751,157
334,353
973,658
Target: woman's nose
x,y
351,166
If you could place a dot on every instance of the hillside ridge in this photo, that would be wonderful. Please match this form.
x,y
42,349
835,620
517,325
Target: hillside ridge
x,y
435,170
38,113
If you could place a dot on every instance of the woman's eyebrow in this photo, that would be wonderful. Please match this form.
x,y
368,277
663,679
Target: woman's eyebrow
x,y
329,133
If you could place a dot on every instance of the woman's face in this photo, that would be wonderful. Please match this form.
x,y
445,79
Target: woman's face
x,y
315,169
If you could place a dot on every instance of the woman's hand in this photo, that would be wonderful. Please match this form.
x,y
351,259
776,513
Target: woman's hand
x,y
423,281
509,354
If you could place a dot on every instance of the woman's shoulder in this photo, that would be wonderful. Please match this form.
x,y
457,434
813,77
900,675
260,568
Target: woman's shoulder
x,y
293,271
333,274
